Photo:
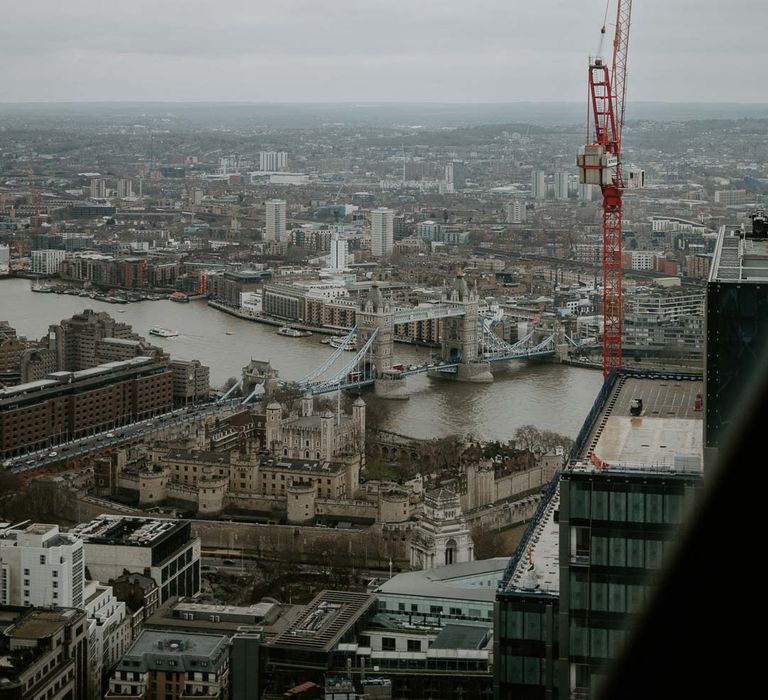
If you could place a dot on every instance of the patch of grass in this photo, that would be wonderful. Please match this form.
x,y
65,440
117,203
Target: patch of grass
x,y
375,469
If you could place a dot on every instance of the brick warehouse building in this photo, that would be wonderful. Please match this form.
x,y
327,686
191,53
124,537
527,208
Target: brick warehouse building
x,y
67,405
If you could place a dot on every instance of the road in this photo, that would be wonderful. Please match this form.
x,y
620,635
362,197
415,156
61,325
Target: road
x,y
107,439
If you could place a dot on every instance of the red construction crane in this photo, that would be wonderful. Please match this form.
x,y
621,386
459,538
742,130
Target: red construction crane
x,y
599,164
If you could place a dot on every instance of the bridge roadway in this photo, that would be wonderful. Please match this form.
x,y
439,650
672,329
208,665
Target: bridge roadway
x,y
64,452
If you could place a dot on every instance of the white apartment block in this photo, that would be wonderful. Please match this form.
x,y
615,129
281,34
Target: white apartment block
x,y
47,262
339,252
276,211
644,260
515,212
382,232
539,184
98,188
562,185
40,566
271,161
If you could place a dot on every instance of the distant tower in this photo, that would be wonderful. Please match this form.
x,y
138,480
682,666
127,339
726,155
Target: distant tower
x,y
338,252
98,188
382,232
306,405
539,184
276,211
562,188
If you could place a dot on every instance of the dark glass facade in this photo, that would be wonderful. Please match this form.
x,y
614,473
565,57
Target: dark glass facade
x,y
616,530
525,646
737,334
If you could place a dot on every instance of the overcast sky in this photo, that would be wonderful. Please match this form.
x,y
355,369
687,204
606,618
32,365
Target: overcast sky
x,y
391,50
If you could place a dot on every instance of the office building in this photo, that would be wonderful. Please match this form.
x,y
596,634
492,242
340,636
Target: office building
x,y
562,185
75,340
47,262
98,188
44,654
731,198
40,567
538,184
339,252
172,666
736,327
382,236
428,231
67,405
515,212
583,571
273,161
190,381
228,287
164,550
276,220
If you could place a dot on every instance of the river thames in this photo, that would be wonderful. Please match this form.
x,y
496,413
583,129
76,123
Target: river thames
x,y
552,396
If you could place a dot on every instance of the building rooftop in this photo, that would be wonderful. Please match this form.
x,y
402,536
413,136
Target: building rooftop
x,y
471,580
739,259
175,652
42,623
666,435
300,465
127,531
325,621
461,637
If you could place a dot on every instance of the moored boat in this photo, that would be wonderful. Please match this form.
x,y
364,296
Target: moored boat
x,y
293,332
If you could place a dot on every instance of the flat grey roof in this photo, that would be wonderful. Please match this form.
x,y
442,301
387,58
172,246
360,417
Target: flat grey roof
x,y
461,637
450,582
174,651
738,259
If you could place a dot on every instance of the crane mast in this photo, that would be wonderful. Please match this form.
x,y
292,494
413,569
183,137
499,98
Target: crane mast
x,y
599,164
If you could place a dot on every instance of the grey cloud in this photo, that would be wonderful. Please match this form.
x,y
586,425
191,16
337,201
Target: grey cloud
x,y
494,50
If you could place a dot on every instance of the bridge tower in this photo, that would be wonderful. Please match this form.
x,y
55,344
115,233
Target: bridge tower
x,y
376,314
460,334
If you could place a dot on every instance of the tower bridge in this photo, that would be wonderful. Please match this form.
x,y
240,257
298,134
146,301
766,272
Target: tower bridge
x,y
468,347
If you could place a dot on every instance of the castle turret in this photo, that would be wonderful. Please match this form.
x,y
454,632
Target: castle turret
x,y
306,404
301,502
326,435
274,414
358,416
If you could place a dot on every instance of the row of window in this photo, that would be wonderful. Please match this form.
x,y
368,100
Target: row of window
x,y
623,506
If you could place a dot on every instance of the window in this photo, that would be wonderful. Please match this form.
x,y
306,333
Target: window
x,y
436,609
414,645
456,612
387,643
401,607
42,559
